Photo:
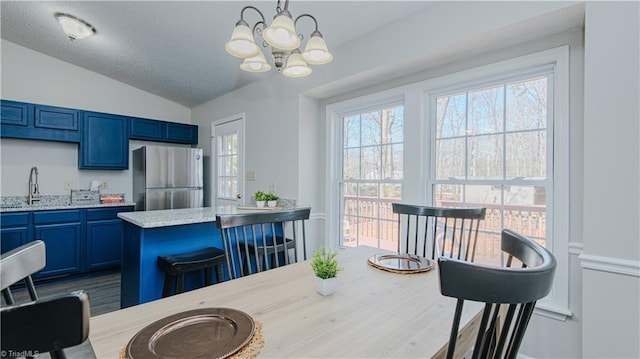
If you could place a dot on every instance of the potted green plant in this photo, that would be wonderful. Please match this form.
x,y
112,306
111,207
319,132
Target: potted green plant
x,y
272,199
260,197
325,266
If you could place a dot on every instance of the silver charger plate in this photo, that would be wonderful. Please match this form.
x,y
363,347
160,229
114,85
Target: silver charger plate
x,y
400,263
198,333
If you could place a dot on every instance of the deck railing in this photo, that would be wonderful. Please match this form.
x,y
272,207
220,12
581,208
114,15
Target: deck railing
x,y
371,221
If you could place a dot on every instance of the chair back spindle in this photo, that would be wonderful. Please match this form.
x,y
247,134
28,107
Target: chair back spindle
x,y
436,231
254,242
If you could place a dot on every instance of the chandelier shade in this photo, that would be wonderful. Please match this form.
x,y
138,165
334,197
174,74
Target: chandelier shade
x,y
296,66
284,41
256,64
242,44
282,32
316,52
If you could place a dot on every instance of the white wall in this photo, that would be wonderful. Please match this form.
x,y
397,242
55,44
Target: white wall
x,y
456,35
30,76
611,284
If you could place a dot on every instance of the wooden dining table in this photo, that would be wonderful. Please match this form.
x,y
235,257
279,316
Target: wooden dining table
x,y
373,313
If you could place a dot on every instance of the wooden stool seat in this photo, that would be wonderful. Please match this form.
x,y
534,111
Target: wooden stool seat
x,y
178,264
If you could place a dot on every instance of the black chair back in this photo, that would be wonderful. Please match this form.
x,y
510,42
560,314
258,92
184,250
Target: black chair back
x,y
46,326
267,237
435,231
20,264
509,293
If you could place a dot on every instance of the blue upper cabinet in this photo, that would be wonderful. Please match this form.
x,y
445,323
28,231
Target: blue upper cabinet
x,y
151,130
105,142
154,130
39,122
182,133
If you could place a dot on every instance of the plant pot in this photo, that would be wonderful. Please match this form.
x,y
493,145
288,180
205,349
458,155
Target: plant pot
x,y
326,286
260,204
272,204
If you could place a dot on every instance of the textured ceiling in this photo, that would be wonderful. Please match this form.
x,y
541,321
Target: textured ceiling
x,y
175,49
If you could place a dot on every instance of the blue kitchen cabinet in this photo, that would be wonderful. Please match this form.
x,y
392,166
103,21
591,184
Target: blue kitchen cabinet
x,y
61,231
150,130
39,122
14,114
162,131
104,237
14,230
104,143
182,133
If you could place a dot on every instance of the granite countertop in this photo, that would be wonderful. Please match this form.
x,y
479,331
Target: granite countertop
x,y
176,217
44,207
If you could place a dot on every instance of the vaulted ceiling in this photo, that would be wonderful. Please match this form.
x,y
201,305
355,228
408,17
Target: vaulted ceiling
x,y
175,49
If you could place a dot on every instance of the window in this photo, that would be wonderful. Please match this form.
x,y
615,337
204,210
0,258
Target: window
x,y
491,150
372,170
495,136
227,165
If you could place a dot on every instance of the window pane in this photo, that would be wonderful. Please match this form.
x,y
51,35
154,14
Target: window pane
x,y
527,154
371,163
351,131
485,157
486,111
351,163
450,116
396,124
371,128
523,215
450,158
527,105
392,161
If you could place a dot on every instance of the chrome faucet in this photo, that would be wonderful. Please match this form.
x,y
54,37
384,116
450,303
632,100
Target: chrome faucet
x,y
34,190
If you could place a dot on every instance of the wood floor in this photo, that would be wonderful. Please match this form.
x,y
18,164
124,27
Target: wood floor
x,y
103,290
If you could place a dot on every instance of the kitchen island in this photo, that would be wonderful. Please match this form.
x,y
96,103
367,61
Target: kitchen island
x,y
149,234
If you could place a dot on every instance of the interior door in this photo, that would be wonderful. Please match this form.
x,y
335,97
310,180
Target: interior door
x,y
227,144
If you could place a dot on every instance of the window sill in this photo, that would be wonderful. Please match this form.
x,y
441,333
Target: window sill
x,y
547,308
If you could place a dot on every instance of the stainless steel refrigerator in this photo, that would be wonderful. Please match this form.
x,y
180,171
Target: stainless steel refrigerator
x,y
167,178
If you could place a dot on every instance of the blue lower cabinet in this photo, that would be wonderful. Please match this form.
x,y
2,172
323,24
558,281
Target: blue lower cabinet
x,y
13,237
14,230
104,244
63,243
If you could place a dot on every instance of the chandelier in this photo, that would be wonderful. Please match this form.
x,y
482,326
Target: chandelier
x,y
285,44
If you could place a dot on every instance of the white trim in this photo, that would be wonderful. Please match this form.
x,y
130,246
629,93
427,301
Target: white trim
x,y
576,248
610,265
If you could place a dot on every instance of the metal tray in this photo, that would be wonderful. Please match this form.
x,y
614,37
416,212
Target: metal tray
x,y
199,333
400,263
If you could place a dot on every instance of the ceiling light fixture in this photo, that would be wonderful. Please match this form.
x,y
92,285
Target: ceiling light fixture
x,y
284,42
75,28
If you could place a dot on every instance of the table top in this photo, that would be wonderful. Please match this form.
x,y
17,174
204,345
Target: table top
x,y
373,313
177,217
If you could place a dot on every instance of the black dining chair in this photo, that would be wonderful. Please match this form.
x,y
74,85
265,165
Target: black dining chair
x,y
267,237
47,325
510,294
437,231
19,264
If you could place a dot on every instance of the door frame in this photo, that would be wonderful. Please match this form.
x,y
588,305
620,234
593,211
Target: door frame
x,y
214,157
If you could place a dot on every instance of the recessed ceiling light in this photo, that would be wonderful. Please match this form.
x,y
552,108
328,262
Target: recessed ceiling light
x,y
74,28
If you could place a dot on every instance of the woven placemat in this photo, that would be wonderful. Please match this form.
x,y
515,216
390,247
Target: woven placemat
x,y
249,351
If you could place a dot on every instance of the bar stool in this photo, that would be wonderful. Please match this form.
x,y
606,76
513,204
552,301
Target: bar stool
x,y
179,264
